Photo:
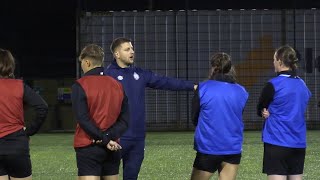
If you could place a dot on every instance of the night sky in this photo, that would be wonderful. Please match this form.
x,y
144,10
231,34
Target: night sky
x,y
41,34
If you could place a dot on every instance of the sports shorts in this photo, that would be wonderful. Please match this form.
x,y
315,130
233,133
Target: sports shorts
x,y
212,163
278,160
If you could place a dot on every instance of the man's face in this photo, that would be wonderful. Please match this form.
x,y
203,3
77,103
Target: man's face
x,y
125,54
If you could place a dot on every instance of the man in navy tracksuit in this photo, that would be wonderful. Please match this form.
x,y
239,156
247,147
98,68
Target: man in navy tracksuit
x,y
134,81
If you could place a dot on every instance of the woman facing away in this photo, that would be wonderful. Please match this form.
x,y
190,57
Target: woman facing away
x,y
282,103
217,108
14,134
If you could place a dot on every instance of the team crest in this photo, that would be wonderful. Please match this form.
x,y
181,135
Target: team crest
x,y
136,76
120,78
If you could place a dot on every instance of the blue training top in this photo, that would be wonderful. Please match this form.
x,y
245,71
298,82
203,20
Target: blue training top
x,y
286,124
220,126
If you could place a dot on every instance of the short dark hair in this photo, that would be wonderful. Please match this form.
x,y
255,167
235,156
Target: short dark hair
x,y
7,64
94,52
117,42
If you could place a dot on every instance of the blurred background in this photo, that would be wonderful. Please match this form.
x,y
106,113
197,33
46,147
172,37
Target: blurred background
x,y
173,38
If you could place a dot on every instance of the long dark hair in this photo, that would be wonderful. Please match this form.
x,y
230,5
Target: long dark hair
x,y
221,65
7,64
288,56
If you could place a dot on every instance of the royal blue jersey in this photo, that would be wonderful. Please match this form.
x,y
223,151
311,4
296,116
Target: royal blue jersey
x,y
219,129
286,124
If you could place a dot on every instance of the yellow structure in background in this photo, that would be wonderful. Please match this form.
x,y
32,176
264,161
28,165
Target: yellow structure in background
x,y
258,62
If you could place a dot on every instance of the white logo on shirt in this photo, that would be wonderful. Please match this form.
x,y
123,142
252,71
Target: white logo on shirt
x,y
136,76
120,78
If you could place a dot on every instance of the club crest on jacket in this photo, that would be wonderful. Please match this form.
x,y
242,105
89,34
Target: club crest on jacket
x,y
120,78
136,76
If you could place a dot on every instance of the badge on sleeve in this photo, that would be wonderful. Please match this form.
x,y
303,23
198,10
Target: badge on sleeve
x,y
120,78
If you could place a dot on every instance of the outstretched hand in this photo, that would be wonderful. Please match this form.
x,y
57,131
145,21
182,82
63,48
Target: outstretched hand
x,y
265,113
195,87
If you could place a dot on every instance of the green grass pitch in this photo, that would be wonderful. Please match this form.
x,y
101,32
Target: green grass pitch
x,y
168,156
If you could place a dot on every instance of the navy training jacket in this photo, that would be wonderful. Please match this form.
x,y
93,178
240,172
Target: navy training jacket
x,y
134,81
